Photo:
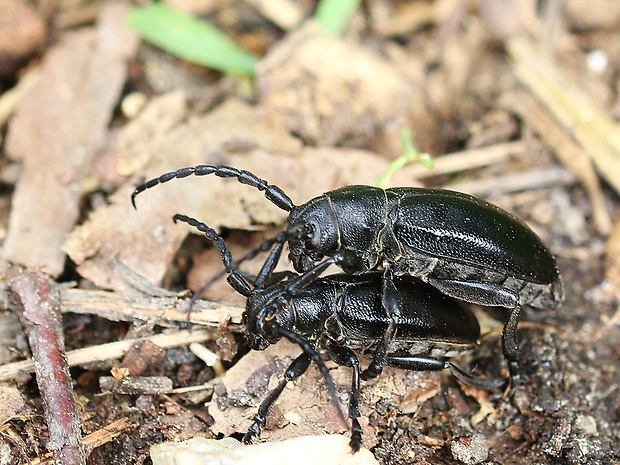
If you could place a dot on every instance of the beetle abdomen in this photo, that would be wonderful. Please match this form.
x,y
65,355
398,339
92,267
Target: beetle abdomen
x,y
425,314
460,228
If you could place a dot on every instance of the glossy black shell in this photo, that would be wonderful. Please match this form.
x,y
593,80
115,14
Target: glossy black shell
x,y
409,223
464,229
353,303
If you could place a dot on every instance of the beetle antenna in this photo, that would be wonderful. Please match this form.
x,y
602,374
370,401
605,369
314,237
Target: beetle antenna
x,y
314,355
272,192
234,277
264,277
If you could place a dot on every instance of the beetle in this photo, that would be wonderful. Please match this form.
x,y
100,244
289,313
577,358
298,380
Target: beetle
x,y
465,247
343,315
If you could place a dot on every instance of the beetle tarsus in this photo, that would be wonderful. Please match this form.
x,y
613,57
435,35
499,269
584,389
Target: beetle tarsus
x,y
486,384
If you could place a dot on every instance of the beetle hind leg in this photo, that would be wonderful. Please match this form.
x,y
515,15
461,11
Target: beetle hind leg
x,y
510,346
486,384
492,295
427,363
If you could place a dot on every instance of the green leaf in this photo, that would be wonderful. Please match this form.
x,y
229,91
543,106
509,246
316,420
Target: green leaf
x,y
333,15
410,155
191,39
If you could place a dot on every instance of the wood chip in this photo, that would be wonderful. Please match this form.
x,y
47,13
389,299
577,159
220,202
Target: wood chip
x,y
579,115
56,133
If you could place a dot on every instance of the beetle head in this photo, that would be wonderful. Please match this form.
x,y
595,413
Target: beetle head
x,y
265,313
315,233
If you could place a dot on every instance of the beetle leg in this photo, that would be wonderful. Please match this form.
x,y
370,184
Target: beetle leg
x,y
425,363
311,352
488,294
380,358
510,346
348,260
389,301
416,362
294,371
346,357
474,381
492,295
389,296
270,263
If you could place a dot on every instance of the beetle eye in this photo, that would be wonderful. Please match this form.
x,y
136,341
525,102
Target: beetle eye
x,y
313,236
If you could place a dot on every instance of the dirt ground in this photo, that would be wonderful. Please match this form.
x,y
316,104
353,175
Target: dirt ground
x,y
516,102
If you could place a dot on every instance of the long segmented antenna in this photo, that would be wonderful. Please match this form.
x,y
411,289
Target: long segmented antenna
x,y
267,270
273,193
234,278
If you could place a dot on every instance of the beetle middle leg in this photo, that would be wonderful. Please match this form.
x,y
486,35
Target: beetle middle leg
x,y
510,346
389,301
346,357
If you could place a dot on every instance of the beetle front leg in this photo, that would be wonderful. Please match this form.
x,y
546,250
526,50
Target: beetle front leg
x,y
348,260
266,272
297,368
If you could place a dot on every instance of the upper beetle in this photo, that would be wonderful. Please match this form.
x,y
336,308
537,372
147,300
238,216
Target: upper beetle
x,y
465,247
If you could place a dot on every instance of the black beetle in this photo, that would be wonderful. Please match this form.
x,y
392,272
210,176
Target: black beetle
x,y
467,248
343,314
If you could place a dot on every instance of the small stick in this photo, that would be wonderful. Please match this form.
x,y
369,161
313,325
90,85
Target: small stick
x,y
37,300
111,350
567,150
580,116
538,178
161,310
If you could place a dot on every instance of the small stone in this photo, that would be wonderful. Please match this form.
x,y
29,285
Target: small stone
x,y
470,450
586,425
133,104
305,450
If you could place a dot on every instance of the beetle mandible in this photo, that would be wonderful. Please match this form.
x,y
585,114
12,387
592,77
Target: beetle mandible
x,y
463,246
343,314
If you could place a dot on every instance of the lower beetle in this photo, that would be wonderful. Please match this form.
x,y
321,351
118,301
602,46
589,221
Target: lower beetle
x,y
465,247
343,314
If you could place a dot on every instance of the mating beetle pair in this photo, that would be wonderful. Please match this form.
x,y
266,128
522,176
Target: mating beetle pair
x,y
343,314
464,247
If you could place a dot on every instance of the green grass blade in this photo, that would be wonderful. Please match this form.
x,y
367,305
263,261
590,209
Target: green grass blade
x,y
191,39
410,155
333,15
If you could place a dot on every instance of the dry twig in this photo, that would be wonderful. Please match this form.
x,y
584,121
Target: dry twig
x,y
93,440
112,350
38,307
580,116
567,150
